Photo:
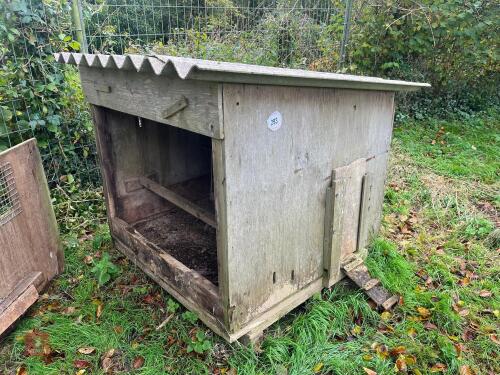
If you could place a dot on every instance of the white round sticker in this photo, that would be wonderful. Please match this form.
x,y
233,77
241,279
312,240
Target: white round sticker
x,y
274,121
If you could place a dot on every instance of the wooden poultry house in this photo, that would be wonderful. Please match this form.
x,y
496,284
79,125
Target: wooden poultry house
x,y
240,189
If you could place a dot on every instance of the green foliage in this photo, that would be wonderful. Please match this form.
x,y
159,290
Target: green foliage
x,y
451,44
37,96
104,270
478,228
199,343
172,305
190,317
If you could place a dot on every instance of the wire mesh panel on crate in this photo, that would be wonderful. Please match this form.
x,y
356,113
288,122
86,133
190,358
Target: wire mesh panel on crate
x,y
9,198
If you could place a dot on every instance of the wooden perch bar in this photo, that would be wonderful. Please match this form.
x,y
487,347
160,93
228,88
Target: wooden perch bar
x,y
179,201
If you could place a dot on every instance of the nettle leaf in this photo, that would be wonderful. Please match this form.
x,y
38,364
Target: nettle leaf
x,y
104,270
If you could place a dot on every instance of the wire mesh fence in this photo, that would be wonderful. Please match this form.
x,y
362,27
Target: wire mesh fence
x,y
39,98
292,33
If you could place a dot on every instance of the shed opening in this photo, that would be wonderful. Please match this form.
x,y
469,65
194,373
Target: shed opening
x,y
164,182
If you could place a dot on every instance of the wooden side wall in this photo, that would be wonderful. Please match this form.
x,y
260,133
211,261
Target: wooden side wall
x,y
276,182
29,242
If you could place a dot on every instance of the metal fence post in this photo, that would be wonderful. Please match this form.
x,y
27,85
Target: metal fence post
x,y
345,34
78,24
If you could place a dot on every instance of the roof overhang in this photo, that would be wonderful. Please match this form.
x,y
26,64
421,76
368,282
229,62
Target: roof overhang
x,y
215,71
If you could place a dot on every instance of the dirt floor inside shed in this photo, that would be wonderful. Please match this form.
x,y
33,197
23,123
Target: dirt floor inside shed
x,y
187,239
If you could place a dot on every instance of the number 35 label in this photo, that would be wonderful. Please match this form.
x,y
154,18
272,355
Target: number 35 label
x,y
274,121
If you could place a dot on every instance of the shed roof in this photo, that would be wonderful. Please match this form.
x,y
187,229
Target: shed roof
x,y
206,70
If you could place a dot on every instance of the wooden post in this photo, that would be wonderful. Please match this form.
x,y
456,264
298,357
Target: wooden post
x,y
78,24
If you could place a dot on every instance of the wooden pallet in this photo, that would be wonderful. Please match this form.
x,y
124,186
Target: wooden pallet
x,y
355,269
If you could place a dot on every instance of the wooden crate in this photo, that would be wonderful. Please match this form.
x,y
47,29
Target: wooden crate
x,y
238,188
30,251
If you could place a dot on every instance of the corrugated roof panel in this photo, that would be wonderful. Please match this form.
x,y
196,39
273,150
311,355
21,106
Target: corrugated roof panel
x,y
206,70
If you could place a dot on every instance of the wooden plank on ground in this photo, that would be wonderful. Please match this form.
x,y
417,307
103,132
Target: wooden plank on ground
x,y
17,307
357,271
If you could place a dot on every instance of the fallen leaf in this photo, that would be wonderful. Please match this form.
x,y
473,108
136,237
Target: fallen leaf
x,y
22,371
367,357
494,338
401,364
484,293
118,329
385,316
149,299
138,362
382,351
110,353
410,360
88,259
318,367
80,363
69,310
356,330
438,367
468,334
369,371
98,312
463,312
397,351
429,326
86,350
424,313
464,281
106,364
80,372
466,370
412,332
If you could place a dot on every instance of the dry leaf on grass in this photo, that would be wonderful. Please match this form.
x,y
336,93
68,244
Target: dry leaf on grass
x,y
438,367
86,350
424,312
138,362
485,293
81,364
466,370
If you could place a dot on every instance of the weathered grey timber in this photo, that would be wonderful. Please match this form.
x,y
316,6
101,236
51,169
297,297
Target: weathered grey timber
x,y
280,172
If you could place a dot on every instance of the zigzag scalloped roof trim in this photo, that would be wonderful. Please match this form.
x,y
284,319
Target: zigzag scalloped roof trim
x,y
187,68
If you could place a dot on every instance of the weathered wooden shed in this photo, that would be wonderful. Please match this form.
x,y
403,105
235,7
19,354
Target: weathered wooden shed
x,y
238,188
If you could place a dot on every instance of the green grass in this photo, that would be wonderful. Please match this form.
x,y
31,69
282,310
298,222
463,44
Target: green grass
x,y
438,249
